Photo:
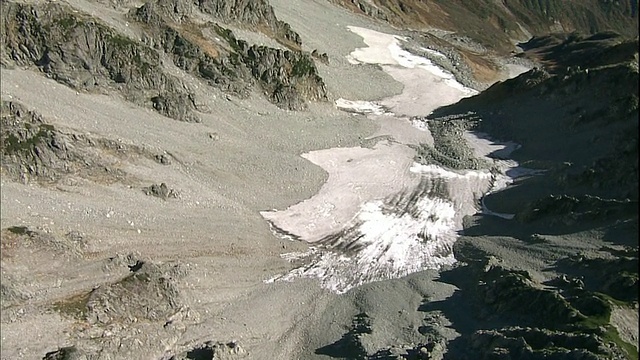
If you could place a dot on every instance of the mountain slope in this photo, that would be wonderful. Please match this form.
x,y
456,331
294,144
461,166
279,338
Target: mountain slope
x,y
497,24
577,123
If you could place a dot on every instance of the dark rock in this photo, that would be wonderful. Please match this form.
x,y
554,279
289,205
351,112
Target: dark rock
x,y
350,345
289,78
534,343
324,58
162,191
65,353
33,150
164,159
210,350
149,293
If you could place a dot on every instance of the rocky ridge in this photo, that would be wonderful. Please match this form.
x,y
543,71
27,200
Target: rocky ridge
x,y
498,24
87,55
35,151
588,189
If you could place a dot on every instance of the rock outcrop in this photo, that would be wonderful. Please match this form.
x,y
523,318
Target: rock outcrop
x,y
33,150
253,15
588,176
287,77
561,318
84,54
581,138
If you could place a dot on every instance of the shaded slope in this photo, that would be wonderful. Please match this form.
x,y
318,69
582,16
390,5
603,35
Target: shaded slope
x,y
545,285
578,122
497,23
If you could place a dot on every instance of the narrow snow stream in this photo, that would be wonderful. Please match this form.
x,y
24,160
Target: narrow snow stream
x,y
380,215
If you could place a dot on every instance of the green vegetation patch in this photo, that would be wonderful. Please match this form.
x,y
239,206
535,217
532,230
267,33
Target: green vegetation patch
x,y
75,306
67,22
600,322
19,230
303,66
228,36
12,144
121,41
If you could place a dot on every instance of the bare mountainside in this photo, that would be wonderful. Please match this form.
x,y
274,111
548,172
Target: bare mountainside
x,y
497,24
145,143
472,32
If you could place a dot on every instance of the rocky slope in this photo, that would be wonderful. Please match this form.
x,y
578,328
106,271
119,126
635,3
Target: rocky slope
x,y
35,151
559,280
577,121
590,86
472,33
88,55
497,24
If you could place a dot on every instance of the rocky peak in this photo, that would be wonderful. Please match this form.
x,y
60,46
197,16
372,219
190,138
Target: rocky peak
x,y
253,14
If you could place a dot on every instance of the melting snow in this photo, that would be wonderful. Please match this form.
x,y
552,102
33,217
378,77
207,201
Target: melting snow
x,y
360,106
401,232
389,245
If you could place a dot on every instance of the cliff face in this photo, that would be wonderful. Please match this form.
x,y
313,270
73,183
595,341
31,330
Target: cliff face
x,y
88,55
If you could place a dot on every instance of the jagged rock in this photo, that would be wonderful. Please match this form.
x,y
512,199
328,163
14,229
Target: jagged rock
x,y
12,291
211,350
253,14
173,106
162,191
450,149
66,353
365,7
159,11
534,343
164,159
30,147
324,58
289,78
350,345
571,209
148,293
85,54
121,260
72,244
615,277
33,150
513,291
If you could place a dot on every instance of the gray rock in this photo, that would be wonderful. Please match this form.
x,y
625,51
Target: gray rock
x,y
160,190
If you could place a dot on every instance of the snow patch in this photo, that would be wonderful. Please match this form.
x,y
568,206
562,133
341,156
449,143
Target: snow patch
x,y
360,107
371,221
389,245
385,49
